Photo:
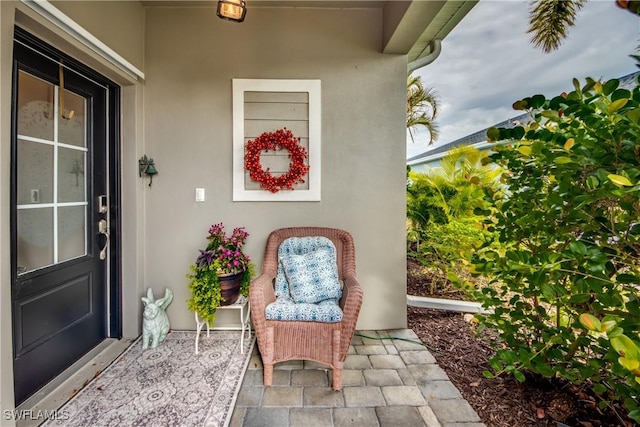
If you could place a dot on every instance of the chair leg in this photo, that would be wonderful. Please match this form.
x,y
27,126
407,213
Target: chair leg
x,y
267,358
268,373
337,364
337,379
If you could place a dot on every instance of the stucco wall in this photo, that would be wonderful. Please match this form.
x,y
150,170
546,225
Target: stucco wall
x,y
118,24
182,117
191,57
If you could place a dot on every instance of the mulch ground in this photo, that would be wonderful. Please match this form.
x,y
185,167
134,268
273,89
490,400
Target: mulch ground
x,y
501,401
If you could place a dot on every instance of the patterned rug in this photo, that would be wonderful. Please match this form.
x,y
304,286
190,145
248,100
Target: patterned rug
x,y
166,386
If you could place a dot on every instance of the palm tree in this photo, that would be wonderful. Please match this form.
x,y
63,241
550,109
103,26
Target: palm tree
x,y
549,21
451,190
422,108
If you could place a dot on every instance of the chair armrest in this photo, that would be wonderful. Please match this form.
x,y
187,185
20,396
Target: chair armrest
x,y
350,304
261,294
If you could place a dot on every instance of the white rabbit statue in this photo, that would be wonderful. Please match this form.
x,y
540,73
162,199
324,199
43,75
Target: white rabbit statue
x,y
155,322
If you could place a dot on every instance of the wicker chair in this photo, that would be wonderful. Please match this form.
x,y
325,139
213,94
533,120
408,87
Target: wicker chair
x,y
325,343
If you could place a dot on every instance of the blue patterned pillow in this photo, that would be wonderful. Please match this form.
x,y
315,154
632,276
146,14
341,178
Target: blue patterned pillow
x,y
312,277
296,246
327,311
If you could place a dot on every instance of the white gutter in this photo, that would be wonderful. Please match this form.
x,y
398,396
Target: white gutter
x,y
435,48
446,304
69,26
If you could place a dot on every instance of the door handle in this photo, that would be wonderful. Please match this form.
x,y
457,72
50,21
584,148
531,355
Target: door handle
x,y
102,229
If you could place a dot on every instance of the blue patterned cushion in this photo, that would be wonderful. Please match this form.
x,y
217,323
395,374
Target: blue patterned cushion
x,y
297,246
327,311
312,277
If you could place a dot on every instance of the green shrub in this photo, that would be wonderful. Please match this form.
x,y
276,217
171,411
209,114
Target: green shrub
x,y
566,286
443,229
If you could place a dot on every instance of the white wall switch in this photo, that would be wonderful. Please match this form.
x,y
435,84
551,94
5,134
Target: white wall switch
x,y
199,194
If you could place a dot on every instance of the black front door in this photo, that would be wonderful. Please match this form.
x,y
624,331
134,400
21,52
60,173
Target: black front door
x,y
61,219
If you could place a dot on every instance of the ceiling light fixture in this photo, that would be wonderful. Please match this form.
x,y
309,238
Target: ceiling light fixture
x,y
232,10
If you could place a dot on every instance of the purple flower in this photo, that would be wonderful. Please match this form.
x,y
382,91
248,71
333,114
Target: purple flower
x,y
224,251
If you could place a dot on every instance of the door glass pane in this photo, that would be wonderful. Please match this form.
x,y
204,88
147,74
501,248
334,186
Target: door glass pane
x,y
35,170
52,182
35,238
71,232
35,107
71,166
72,120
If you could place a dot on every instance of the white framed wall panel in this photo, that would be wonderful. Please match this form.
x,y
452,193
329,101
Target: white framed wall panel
x,y
265,105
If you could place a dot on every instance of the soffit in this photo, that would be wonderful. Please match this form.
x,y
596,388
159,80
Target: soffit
x,y
409,26
332,4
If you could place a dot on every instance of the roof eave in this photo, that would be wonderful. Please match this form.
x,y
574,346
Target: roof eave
x,y
411,27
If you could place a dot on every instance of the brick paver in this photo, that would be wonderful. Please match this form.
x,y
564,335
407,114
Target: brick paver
x,y
389,379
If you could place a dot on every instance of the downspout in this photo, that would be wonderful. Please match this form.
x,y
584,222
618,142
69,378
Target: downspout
x,y
435,47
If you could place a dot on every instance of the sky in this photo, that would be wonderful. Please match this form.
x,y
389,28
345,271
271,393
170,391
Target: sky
x,y
487,63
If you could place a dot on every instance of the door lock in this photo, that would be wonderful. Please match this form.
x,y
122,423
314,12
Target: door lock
x,y
103,206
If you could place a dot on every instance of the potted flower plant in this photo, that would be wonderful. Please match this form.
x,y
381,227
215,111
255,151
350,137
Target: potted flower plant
x,y
221,273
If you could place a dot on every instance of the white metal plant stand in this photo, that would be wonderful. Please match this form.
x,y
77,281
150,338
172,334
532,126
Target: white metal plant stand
x,y
243,307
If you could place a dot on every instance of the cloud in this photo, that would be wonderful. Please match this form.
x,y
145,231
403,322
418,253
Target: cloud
x,y
488,62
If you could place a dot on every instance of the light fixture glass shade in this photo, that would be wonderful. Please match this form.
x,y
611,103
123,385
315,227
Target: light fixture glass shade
x,y
232,10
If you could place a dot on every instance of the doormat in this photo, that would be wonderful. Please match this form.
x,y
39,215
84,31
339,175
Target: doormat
x,y
166,386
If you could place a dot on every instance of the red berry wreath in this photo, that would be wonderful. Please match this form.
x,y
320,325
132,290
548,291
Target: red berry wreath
x,y
281,139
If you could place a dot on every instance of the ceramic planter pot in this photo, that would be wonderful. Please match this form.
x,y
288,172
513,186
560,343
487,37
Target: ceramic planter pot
x,y
230,287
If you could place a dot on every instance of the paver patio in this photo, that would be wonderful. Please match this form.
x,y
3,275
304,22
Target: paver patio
x,y
389,379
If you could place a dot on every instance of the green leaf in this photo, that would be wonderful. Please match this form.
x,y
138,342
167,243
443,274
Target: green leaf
x,y
525,150
537,101
610,86
607,325
562,160
627,278
589,321
551,115
520,105
629,364
590,84
547,291
488,374
493,134
599,388
519,376
579,298
620,94
576,84
616,105
625,346
615,332
634,115
517,132
578,248
592,182
619,180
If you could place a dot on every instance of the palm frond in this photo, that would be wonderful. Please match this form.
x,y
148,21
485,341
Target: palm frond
x,y
549,21
422,108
